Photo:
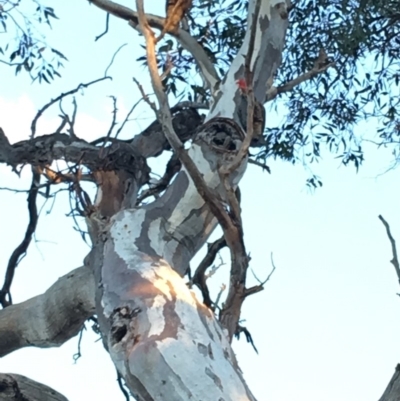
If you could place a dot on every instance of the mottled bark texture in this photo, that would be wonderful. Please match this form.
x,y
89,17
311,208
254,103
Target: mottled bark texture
x,y
50,319
165,344
15,387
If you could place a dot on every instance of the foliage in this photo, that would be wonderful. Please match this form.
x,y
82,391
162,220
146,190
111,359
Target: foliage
x,y
28,50
362,38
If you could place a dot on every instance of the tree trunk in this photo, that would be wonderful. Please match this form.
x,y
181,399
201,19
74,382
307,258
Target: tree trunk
x,y
163,341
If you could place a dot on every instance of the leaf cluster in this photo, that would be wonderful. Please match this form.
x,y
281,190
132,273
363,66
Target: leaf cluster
x,y
28,49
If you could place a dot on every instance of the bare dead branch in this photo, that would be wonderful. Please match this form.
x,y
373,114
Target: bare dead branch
x,y
57,99
222,289
395,259
274,91
260,287
114,117
206,67
21,249
72,122
127,117
145,96
113,57
66,120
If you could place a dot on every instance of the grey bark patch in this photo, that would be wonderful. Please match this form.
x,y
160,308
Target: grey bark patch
x,y
217,381
202,349
210,351
162,209
164,383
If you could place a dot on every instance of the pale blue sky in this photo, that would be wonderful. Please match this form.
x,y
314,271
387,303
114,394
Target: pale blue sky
x,y
326,326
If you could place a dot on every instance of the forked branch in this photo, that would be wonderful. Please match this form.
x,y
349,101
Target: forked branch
x,y
188,42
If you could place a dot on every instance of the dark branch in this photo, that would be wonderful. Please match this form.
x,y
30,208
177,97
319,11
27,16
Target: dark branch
x,y
249,338
199,278
21,249
395,259
106,29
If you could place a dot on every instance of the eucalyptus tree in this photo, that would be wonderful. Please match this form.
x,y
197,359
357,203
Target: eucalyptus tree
x,y
315,58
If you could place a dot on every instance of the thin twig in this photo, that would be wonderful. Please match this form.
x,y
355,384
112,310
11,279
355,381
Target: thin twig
x,y
78,354
395,260
127,118
122,387
114,119
113,58
262,165
145,96
222,289
58,98
72,122
13,190
106,30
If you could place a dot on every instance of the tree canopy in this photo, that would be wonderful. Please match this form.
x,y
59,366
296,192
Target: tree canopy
x,y
340,66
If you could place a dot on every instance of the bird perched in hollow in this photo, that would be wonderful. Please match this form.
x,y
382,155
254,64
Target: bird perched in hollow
x,y
175,11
